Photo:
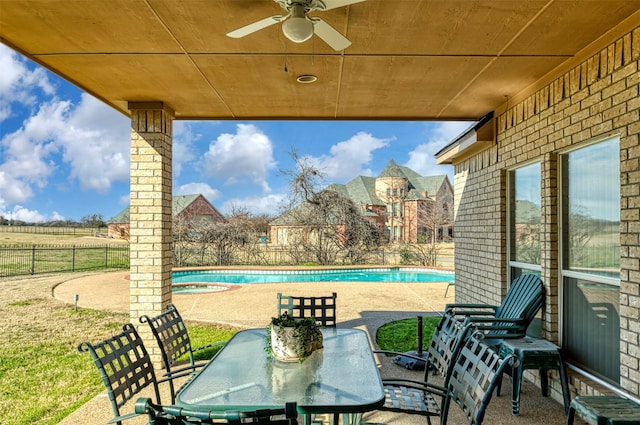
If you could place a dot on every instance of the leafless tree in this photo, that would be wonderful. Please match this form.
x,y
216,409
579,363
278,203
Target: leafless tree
x,y
95,221
327,223
238,240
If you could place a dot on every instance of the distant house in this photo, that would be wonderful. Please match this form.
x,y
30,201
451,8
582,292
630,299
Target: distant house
x,y
186,209
399,199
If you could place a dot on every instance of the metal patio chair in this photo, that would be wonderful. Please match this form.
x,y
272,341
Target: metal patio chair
x,y
512,317
322,308
125,368
172,337
474,373
420,397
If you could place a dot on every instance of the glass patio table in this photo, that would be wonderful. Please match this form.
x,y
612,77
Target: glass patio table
x,y
341,378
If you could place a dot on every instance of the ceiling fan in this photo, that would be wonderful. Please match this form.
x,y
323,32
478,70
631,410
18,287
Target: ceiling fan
x,y
298,27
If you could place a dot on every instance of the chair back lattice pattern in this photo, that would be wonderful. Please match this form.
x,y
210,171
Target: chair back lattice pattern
x,y
171,334
124,365
322,308
446,343
175,415
474,377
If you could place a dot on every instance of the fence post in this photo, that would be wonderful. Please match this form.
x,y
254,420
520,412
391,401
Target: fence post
x,y
106,256
33,259
73,258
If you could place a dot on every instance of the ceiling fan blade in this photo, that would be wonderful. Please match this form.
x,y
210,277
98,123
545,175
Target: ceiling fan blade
x,y
256,26
330,35
332,4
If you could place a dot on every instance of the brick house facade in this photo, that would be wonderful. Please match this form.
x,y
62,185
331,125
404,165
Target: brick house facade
x,y
595,98
398,200
186,209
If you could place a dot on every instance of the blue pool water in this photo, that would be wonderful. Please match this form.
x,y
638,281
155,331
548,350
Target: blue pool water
x,y
243,277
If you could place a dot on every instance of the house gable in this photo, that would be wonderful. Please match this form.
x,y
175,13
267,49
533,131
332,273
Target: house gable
x,y
184,207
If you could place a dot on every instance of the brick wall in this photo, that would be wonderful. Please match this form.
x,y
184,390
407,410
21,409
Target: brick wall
x,y
480,259
596,98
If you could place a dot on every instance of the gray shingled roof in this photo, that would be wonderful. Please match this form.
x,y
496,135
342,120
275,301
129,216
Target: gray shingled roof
x,y
362,191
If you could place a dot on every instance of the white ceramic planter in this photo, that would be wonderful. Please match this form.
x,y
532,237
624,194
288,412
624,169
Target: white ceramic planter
x,y
286,346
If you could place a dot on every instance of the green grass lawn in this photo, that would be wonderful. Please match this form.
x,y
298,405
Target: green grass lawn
x,y
402,335
43,377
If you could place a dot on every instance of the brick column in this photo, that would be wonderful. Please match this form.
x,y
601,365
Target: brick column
x,y
550,248
150,214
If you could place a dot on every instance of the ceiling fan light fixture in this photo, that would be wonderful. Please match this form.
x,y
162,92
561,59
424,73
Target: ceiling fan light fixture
x,y
297,29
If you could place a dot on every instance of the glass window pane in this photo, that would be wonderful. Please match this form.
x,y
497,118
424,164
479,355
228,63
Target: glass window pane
x,y
591,205
591,251
591,331
525,214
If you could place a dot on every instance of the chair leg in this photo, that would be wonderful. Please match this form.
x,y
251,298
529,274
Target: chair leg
x,y
517,387
564,382
571,415
447,290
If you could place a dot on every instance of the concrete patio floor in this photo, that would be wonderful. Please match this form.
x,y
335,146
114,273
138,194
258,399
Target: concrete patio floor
x,y
360,305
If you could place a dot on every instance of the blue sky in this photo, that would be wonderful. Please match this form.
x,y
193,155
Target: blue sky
x,y
65,154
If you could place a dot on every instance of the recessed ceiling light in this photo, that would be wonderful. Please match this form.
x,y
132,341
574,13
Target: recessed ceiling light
x,y
306,79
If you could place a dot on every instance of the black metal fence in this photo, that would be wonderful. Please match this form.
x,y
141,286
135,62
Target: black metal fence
x,y
275,256
31,259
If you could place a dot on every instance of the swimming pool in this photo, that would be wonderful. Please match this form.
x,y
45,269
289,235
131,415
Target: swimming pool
x,y
244,277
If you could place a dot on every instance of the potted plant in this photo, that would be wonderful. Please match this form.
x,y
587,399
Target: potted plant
x,y
290,339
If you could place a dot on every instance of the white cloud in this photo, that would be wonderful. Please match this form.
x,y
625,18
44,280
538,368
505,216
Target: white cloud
x,y
23,214
27,152
12,189
247,154
422,159
89,142
57,216
17,82
199,188
269,204
95,142
93,139
349,158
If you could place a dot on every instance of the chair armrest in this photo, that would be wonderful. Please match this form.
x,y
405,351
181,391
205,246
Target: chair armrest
x,y
212,345
417,385
397,353
175,374
498,328
490,322
470,309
